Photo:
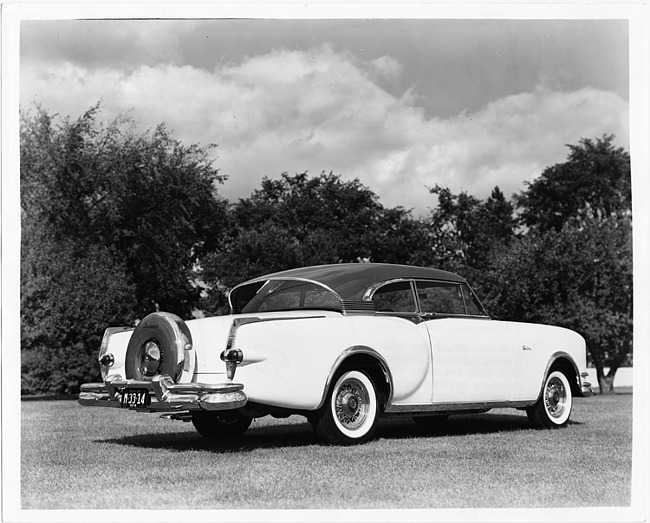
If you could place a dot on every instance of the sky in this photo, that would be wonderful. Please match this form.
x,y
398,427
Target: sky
x,y
400,104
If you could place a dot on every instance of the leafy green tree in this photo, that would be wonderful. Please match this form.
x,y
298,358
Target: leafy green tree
x,y
595,181
584,206
570,263
301,205
69,295
300,220
148,197
402,239
113,225
466,229
578,278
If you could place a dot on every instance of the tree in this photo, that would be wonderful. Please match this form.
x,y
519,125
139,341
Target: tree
x,y
69,295
301,205
147,197
113,224
594,182
300,220
584,205
578,278
465,229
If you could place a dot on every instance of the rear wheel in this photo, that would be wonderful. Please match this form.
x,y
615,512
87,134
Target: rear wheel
x,y
213,425
553,408
351,413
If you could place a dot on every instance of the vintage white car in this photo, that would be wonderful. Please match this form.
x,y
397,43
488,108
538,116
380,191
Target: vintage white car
x,y
341,345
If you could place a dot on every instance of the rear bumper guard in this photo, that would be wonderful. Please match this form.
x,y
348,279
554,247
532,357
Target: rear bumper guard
x,y
165,395
585,386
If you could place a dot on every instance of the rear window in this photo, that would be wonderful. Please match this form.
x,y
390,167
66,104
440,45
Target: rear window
x,y
288,295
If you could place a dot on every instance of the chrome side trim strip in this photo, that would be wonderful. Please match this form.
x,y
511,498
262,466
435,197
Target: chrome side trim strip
x,y
456,407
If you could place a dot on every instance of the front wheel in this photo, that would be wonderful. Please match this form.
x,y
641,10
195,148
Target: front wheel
x,y
553,408
351,413
213,425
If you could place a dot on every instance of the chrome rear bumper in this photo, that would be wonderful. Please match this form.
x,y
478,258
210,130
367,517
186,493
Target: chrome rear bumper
x,y
165,395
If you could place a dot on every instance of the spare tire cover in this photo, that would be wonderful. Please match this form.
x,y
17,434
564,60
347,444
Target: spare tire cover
x,y
160,344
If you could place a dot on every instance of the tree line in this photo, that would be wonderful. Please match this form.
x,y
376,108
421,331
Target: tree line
x,y
117,224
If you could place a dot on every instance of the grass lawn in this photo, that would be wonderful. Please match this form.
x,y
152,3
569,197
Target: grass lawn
x,y
76,457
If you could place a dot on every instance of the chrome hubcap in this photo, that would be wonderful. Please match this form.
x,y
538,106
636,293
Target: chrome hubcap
x,y
351,404
151,358
555,398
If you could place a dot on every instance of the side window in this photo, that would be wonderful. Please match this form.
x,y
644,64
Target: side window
x,y
394,297
440,297
473,307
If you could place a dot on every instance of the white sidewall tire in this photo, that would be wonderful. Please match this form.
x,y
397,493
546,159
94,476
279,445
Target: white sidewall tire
x,y
173,337
557,418
370,413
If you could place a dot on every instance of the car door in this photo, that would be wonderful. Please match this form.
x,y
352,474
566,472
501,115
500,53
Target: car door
x,y
407,346
471,362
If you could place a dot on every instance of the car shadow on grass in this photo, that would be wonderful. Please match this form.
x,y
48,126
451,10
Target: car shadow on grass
x,y
302,435
458,425
265,437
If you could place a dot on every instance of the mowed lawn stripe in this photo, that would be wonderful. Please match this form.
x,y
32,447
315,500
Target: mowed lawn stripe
x,y
75,457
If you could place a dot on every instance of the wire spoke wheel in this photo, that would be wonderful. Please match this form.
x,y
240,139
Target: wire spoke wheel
x,y
352,404
351,413
555,398
553,408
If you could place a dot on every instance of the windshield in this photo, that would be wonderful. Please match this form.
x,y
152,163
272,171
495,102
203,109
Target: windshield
x,y
288,295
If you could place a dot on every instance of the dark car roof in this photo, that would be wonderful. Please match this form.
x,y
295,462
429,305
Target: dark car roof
x,y
350,280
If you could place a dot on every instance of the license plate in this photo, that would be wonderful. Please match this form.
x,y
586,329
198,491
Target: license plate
x,y
135,398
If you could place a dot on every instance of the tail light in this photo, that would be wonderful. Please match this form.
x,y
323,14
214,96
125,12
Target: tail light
x,y
232,357
105,358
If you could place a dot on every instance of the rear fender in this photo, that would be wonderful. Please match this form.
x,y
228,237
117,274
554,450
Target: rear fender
x,y
363,358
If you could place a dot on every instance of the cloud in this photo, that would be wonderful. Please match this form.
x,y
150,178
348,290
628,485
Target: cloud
x,y
387,66
322,109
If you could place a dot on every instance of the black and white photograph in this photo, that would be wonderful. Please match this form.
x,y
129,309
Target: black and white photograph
x,y
324,262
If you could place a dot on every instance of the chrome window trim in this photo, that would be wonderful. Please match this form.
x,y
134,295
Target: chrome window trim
x,y
464,286
370,291
289,278
472,296
439,314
